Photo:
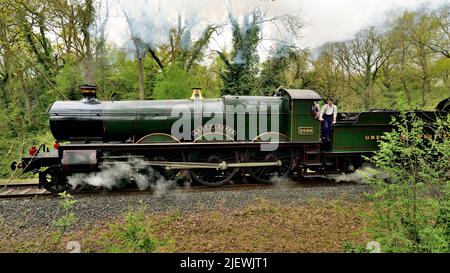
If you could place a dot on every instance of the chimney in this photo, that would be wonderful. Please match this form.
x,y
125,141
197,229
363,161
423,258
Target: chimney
x,y
196,93
89,92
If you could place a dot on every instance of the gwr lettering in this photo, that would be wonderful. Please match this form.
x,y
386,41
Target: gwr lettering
x,y
374,137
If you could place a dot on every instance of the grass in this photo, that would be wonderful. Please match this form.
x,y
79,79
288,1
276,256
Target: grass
x,y
261,227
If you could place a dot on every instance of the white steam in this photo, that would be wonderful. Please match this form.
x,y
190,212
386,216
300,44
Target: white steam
x,y
120,174
152,21
361,175
147,21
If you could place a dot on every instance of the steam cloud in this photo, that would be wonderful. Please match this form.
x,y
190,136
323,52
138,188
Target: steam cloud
x,y
153,20
361,175
118,175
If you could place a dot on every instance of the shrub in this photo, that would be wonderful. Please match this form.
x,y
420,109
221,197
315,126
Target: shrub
x,y
135,235
411,197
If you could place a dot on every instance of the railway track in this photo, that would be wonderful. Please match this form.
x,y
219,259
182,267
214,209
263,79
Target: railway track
x,y
32,190
22,190
29,190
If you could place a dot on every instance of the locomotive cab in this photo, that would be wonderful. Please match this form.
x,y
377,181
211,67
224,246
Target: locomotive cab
x,y
304,127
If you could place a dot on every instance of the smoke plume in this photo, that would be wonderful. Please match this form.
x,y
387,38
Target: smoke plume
x,y
120,174
152,21
361,175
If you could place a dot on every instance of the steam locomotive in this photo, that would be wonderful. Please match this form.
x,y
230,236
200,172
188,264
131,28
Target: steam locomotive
x,y
206,141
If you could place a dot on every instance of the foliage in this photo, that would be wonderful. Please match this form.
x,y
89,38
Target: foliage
x,y
177,83
411,196
240,75
14,147
67,202
354,248
287,67
66,218
135,236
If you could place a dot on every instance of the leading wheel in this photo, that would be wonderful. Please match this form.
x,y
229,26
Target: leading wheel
x,y
53,180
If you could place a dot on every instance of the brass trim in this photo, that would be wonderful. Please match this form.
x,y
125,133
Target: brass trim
x,y
281,134
210,133
157,134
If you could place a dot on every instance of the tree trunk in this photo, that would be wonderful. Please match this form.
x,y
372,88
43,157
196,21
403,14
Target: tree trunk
x,y
27,101
141,78
407,93
89,64
426,87
156,58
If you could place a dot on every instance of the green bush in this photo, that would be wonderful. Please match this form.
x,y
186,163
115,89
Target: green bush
x,y
135,236
411,194
67,218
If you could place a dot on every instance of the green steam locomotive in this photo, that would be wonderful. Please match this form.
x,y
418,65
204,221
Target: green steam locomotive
x,y
207,141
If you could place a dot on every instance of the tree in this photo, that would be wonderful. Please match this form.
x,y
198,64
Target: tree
x,y
441,42
414,28
368,52
240,76
140,52
331,75
287,66
436,25
180,49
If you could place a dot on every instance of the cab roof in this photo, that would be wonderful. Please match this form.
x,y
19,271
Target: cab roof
x,y
299,94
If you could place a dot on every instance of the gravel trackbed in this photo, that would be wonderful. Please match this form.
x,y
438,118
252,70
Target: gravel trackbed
x,y
40,211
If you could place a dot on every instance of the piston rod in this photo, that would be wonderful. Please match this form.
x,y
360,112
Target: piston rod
x,y
199,165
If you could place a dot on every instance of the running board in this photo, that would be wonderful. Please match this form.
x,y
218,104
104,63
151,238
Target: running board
x,y
199,165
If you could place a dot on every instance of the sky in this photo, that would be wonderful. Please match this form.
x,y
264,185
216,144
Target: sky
x,y
324,20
